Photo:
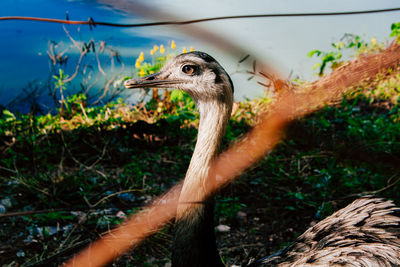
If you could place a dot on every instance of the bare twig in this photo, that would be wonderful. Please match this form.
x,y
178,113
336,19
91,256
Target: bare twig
x,y
76,44
33,212
379,190
102,46
78,65
80,163
109,196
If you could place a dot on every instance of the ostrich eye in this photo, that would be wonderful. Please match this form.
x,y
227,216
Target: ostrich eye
x,y
189,69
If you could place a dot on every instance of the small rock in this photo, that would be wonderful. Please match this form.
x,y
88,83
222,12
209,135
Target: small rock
x,y
20,254
148,199
6,202
108,211
127,197
50,230
13,182
121,215
109,192
80,215
67,227
35,231
223,228
29,239
241,217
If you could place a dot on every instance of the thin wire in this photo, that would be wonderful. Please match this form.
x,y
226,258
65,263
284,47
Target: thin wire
x,y
91,22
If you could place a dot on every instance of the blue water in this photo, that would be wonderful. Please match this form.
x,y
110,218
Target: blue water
x,y
23,44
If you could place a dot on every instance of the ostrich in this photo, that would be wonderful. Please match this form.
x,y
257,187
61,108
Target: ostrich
x,y
365,233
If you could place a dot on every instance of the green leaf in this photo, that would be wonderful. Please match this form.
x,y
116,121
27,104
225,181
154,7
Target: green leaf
x,y
313,52
177,95
9,116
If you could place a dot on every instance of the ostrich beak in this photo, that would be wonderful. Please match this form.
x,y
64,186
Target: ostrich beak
x,y
153,80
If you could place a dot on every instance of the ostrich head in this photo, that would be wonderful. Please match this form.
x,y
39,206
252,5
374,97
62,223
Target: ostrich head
x,y
196,73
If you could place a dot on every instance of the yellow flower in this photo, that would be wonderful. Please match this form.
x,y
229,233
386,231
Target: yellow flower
x,y
191,49
173,46
141,57
155,48
137,64
373,41
152,52
184,50
142,73
162,50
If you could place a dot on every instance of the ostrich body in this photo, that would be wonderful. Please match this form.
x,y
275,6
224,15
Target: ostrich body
x,y
365,233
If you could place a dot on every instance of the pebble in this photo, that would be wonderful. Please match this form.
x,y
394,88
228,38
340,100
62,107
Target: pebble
x,y
121,215
241,217
80,215
6,202
223,228
20,254
127,197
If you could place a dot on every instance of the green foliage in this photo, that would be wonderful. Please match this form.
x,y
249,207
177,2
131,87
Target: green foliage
x,y
148,68
228,207
60,80
60,84
348,43
180,96
53,216
332,57
395,27
8,116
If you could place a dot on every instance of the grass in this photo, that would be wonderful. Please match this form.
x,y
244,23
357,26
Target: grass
x,y
87,168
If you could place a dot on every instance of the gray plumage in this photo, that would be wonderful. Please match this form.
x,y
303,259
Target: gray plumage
x,y
365,233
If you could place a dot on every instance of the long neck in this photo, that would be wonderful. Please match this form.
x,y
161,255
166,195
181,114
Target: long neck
x,y
194,241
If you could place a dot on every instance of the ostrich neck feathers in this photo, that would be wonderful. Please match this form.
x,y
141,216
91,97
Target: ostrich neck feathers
x,y
194,241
